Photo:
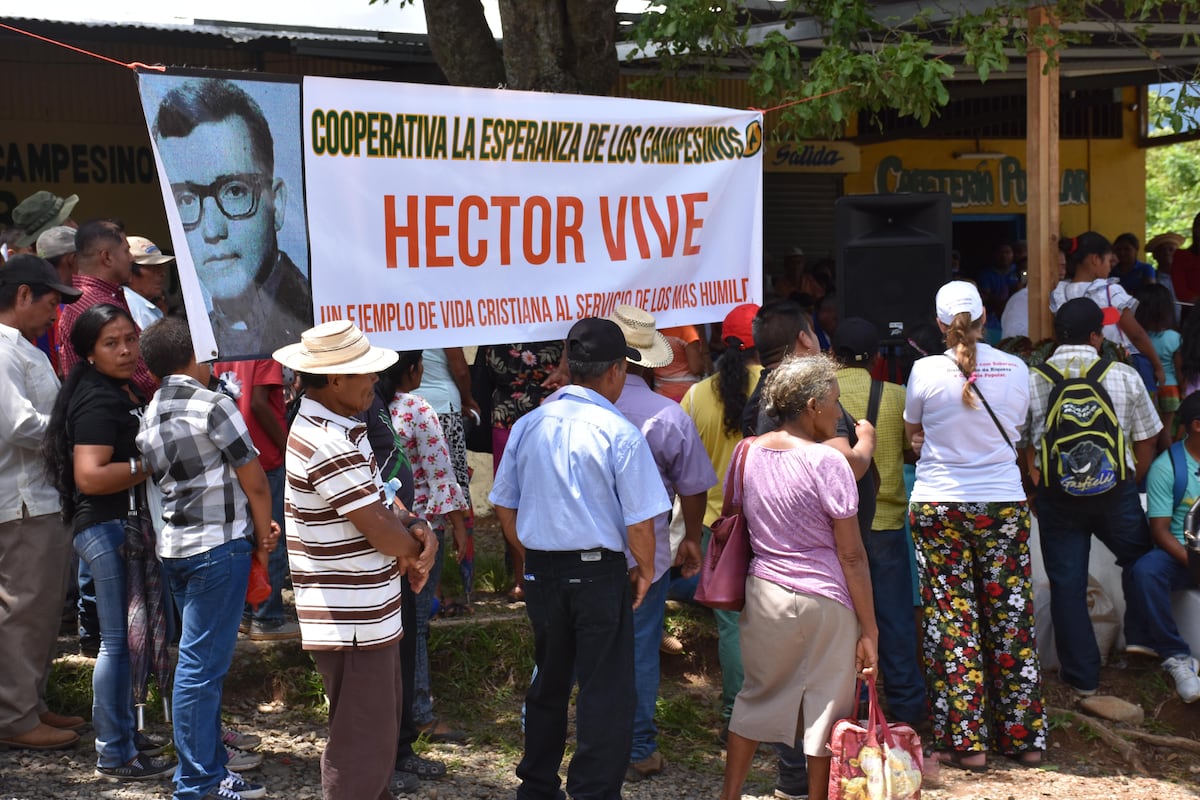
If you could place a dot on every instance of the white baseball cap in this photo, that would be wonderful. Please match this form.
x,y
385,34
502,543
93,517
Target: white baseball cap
x,y
956,297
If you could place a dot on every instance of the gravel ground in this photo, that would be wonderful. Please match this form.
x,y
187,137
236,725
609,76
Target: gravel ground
x,y
292,746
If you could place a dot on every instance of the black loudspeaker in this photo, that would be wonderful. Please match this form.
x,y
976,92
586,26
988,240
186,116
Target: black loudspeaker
x,y
893,254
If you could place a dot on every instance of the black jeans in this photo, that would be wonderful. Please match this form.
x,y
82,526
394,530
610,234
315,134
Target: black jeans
x,y
582,618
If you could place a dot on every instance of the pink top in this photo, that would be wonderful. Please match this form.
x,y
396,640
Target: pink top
x,y
792,498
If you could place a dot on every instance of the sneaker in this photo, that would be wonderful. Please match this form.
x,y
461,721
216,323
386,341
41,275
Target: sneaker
x,y
240,740
670,645
404,782
149,745
219,792
1182,670
797,794
141,768
241,759
244,625
242,788
1140,650
640,770
273,631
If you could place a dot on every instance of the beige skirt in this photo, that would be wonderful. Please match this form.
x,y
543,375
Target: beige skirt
x,y
798,658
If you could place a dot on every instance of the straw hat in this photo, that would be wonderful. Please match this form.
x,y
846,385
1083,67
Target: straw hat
x,y
1164,238
638,327
335,348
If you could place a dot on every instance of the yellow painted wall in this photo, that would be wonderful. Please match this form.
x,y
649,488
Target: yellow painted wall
x,y
1102,189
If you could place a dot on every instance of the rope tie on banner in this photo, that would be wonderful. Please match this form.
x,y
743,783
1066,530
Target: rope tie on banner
x,y
134,65
801,100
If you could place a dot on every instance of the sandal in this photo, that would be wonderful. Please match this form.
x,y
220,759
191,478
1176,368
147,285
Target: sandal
x,y
457,610
1029,759
423,768
437,732
958,758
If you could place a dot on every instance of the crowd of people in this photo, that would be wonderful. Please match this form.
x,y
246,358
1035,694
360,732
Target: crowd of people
x,y
612,454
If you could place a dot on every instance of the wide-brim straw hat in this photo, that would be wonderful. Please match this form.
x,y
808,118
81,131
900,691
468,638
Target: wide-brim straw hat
x,y
335,348
638,327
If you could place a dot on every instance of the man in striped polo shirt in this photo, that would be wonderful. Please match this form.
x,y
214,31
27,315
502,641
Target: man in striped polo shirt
x,y
347,551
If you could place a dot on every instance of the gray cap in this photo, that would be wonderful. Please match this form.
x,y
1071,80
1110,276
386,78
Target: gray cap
x,y
55,242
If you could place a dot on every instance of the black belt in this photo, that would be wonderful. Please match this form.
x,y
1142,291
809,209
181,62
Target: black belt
x,y
585,556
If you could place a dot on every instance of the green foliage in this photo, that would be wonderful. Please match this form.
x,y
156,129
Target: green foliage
x,y
869,60
1172,188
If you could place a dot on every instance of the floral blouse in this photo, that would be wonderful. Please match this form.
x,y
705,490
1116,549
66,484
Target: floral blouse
x,y
516,372
420,434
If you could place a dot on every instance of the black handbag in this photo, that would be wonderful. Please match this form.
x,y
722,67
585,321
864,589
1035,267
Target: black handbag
x,y
479,436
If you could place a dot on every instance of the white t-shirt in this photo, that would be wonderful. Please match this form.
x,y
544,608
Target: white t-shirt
x,y
1105,295
965,458
1015,319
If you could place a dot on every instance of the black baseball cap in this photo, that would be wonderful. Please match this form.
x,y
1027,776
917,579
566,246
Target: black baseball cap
x,y
29,270
597,341
1189,409
1078,319
856,340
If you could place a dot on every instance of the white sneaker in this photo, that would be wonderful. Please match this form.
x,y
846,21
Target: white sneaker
x,y
1182,670
240,739
240,759
241,787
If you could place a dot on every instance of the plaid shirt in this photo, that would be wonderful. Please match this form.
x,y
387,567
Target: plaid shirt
x,y
1134,409
96,291
193,440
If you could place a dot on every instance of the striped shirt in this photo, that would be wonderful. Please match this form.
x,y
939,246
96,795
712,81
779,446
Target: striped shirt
x,y
347,592
193,440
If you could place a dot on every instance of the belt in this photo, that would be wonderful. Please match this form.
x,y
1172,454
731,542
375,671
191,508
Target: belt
x,y
597,554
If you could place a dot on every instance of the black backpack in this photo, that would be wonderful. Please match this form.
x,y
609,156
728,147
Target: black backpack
x,y
1083,449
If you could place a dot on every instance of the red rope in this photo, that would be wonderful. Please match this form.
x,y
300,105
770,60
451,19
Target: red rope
x,y
130,65
802,100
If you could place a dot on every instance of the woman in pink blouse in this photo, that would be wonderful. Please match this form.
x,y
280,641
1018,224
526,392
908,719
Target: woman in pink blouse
x,y
809,622
438,497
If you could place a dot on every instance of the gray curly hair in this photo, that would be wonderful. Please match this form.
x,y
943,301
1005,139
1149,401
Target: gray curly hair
x,y
794,382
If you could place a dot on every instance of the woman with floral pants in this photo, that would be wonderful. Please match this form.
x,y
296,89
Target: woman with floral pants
x,y
970,523
980,655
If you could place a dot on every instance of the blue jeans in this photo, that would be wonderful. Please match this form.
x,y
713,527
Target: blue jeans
x,y
888,553
1067,525
112,691
422,702
209,589
647,636
271,611
1148,617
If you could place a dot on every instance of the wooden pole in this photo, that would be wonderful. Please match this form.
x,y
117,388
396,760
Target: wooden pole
x,y
1042,173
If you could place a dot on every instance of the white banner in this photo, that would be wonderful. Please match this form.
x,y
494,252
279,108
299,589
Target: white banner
x,y
440,216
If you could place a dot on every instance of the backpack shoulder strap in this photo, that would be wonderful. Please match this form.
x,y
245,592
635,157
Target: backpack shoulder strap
x,y
1050,372
874,401
1179,466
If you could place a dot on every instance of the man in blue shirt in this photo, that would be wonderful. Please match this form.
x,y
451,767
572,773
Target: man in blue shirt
x,y
1165,568
578,487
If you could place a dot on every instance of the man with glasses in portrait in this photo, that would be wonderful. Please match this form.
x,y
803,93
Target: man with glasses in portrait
x,y
218,153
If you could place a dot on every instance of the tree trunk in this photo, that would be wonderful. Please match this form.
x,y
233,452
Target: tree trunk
x,y
560,45
463,45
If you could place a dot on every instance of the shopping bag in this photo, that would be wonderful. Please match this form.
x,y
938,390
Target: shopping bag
x,y
875,760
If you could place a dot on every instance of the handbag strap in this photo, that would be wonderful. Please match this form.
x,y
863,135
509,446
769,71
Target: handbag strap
x,y
736,476
986,404
873,401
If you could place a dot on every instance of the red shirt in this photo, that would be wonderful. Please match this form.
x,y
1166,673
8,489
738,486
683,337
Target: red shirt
x,y
96,291
1185,275
240,378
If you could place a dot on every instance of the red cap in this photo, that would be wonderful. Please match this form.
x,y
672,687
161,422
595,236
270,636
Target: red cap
x,y
738,325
